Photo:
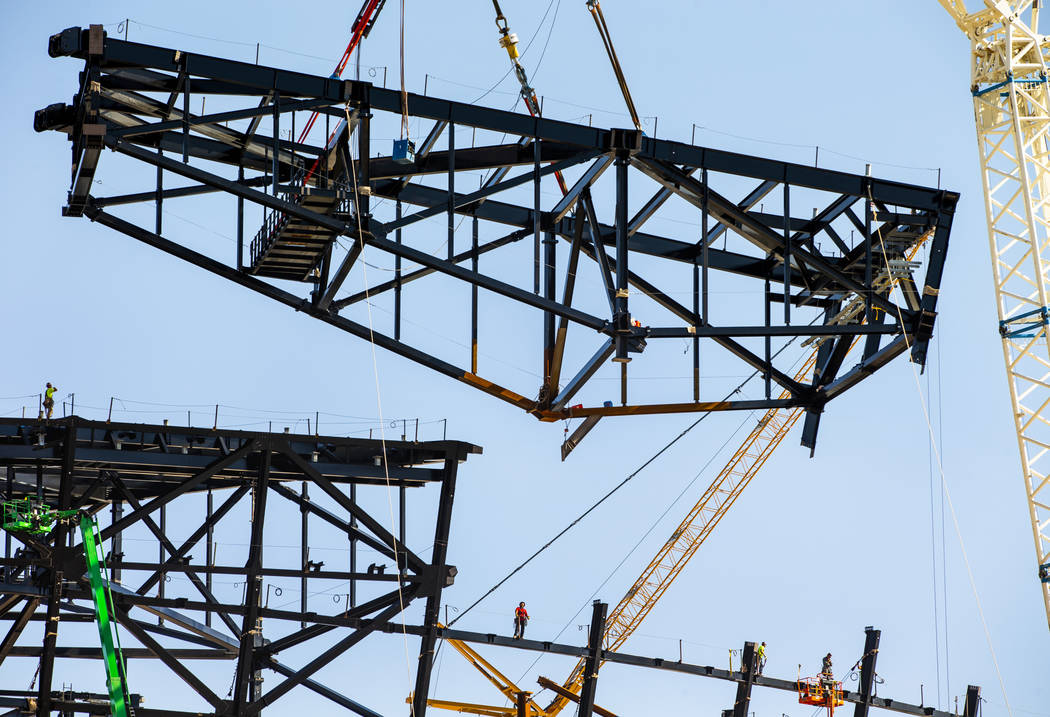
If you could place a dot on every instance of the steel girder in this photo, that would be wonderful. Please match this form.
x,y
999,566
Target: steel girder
x,y
135,99
145,469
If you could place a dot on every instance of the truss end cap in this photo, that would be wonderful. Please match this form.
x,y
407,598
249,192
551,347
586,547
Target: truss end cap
x,y
65,43
53,117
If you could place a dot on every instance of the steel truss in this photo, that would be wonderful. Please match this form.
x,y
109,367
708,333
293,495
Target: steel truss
x,y
136,100
129,475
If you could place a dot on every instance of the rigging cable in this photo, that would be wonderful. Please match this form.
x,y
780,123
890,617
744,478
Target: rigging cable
x,y
379,398
609,494
404,94
944,482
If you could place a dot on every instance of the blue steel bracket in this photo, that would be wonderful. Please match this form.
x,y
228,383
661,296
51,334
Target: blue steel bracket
x,y
1026,325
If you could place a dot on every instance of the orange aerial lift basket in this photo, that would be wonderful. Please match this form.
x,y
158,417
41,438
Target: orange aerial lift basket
x,y
820,692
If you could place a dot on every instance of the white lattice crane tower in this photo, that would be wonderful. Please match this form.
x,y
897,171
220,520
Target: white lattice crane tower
x,y
1011,100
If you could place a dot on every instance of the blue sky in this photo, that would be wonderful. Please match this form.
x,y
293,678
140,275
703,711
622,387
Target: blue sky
x,y
103,316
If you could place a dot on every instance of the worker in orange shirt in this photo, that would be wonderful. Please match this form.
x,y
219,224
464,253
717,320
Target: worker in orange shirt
x,y
521,618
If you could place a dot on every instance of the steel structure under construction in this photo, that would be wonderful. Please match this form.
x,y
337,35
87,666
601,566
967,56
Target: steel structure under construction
x,y
803,268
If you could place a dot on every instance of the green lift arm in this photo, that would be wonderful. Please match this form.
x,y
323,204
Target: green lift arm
x,y
111,652
30,516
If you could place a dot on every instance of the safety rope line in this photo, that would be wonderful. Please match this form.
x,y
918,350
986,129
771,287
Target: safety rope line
x,y
940,468
379,398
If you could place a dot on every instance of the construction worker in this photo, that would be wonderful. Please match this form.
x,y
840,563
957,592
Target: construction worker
x,y
827,678
760,657
521,618
49,399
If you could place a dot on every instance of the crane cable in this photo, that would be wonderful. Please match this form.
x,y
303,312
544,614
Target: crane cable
x,y
603,31
940,468
379,400
509,41
404,94
617,487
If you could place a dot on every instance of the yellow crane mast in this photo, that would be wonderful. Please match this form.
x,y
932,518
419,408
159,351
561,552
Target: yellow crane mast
x,y
1009,83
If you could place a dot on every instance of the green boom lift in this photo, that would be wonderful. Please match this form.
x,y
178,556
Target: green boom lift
x,y
33,517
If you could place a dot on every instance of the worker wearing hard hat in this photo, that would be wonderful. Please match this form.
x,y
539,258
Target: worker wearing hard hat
x,y
521,618
760,658
49,399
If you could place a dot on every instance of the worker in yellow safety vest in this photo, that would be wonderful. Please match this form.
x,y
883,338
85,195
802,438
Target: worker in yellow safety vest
x,y
49,399
760,657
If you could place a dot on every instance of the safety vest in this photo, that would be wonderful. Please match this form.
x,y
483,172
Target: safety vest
x,y
49,392
761,651
521,613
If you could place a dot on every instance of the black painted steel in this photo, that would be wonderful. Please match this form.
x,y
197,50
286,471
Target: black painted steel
x,y
126,101
147,469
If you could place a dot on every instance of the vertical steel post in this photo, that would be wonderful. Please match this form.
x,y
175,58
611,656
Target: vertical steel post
x,y
305,549
973,701
768,342
240,222
186,116
401,500
867,252
276,164
54,596
474,297
743,687
867,671
7,536
364,168
621,311
159,200
594,657
246,682
210,547
352,597
550,255
521,704
441,573
704,222
451,190
397,276
787,251
536,216
116,544
160,556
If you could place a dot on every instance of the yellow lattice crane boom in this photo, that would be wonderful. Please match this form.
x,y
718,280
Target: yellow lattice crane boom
x,y
1009,84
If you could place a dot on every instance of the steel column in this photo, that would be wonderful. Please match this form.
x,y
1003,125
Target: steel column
x,y
594,658
441,576
867,671
747,678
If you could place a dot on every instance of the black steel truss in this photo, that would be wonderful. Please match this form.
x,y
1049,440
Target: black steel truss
x,y
128,475
807,280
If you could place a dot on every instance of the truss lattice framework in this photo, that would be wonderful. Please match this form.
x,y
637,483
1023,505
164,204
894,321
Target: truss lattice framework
x,y
803,268
1012,111
136,472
